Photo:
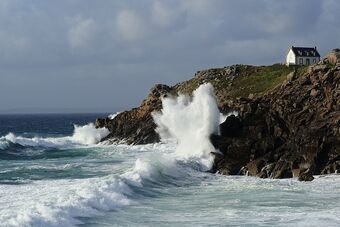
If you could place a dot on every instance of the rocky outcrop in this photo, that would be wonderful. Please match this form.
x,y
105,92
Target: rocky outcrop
x,y
288,123
292,131
136,126
333,57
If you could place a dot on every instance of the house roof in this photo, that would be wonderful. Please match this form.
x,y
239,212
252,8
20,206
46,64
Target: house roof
x,y
305,51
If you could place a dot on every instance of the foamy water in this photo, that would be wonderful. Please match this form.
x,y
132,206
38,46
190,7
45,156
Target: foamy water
x,y
153,186
82,135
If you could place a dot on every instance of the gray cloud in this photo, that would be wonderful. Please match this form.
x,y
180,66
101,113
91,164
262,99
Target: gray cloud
x,y
97,55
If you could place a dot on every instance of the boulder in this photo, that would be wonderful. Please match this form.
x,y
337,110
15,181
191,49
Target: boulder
x,y
314,92
306,176
333,57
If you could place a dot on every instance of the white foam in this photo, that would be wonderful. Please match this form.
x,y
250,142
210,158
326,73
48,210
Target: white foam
x,y
223,117
82,135
5,140
89,134
154,168
59,203
112,116
62,202
3,144
190,122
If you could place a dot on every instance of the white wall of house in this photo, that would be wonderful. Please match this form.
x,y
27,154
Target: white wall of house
x,y
290,59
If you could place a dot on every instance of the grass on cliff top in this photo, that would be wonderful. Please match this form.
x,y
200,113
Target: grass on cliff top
x,y
247,80
262,80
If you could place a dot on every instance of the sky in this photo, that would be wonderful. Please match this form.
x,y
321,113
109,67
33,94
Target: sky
x,y
104,56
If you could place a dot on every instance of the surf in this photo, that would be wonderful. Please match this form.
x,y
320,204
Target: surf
x,y
82,135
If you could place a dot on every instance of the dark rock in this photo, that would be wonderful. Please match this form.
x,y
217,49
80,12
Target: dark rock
x,y
136,126
314,92
304,81
317,68
306,176
287,129
333,167
231,127
102,122
282,169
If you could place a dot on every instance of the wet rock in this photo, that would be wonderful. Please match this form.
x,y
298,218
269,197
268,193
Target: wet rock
x,y
255,167
267,171
282,169
306,176
333,167
136,126
102,122
231,127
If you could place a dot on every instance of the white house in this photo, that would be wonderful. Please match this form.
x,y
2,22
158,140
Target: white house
x,y
302,56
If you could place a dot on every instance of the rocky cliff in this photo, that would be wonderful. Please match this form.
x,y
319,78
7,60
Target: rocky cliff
x,y
292,131
288,123
136,126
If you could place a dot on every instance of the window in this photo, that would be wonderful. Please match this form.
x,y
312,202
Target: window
x,y
307,61
314,60
300,61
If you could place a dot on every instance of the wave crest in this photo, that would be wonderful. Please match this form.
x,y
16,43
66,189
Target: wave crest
x,y
82,135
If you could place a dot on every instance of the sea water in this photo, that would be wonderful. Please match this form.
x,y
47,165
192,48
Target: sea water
x,y
53,172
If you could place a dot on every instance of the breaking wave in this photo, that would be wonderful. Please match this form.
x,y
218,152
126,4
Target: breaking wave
x,y
64,202
82,135
188,121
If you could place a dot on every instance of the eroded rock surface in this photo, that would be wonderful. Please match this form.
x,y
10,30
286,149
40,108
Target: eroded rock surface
x,y
333,57
136,126
292,131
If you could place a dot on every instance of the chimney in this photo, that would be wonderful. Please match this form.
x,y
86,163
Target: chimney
x,y
315,48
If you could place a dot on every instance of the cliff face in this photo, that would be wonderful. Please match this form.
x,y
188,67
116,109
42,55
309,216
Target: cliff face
x,y
294,130
288,123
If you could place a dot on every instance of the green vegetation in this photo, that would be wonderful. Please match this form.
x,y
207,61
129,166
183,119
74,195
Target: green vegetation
x,y
240,80
264,79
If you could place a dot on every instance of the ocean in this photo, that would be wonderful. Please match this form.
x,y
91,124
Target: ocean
x,y
53,172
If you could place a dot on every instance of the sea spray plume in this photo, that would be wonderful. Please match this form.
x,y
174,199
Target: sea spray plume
x,y
190,121
89,134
